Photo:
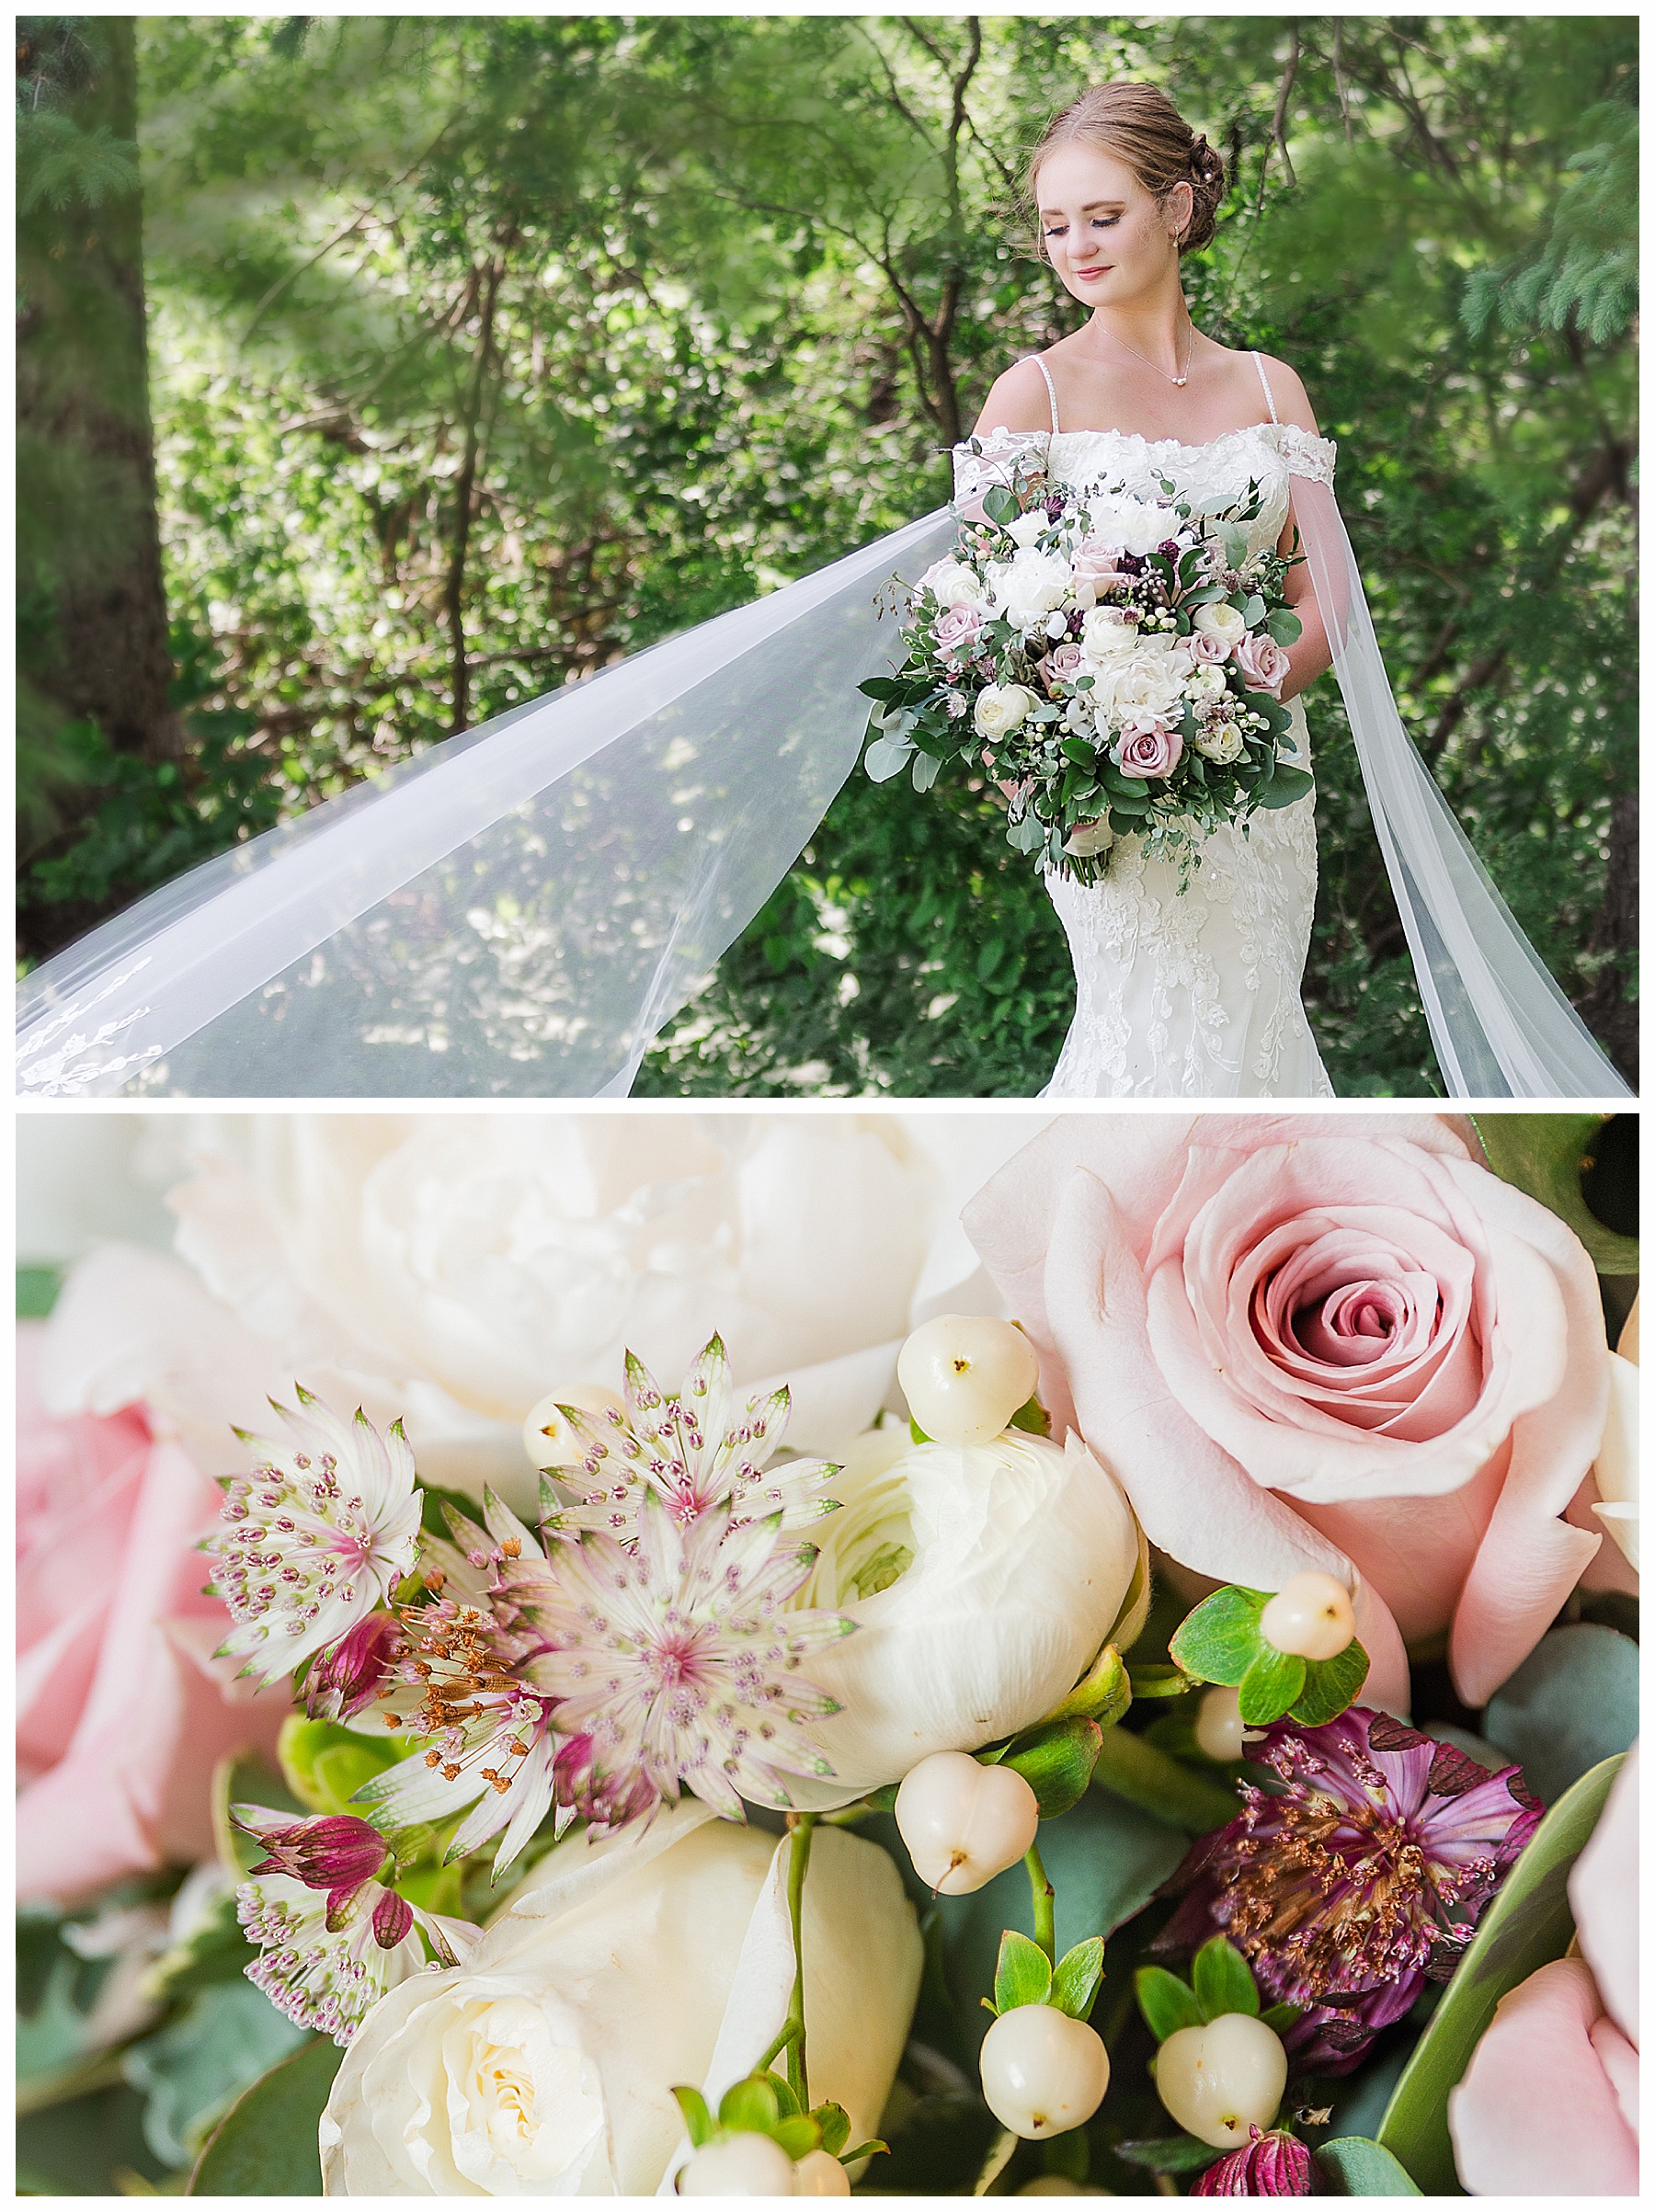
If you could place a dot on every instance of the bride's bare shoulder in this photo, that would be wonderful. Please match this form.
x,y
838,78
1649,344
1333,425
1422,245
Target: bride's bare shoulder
x,y
1287,390
1016,401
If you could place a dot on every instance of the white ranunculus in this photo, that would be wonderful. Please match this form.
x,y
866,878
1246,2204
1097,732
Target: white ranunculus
x,y
1206,680
455,1268
544,2066
1029,585
1148,682
1222,620
955,584
984,1580
1001,707
1133,526
1024,529
1220,741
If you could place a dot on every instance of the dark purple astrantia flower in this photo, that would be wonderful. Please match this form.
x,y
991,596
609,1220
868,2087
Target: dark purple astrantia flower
x,y
1270,2165
335,1852
345,1680
1363,1877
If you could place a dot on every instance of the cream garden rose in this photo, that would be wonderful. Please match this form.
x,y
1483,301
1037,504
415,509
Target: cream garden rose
x,y
954,584
544,2066
984,1580
1000,708
1220,741
1222,620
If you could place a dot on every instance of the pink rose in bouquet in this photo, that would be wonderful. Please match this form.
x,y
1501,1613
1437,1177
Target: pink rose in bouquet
x,y
1548,2104
1063,664
1263,663
1203,646
1299,1345
122,1712
1151,748
957,626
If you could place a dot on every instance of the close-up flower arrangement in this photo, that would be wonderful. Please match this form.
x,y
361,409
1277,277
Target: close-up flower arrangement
x,y
1157,1719
1114,664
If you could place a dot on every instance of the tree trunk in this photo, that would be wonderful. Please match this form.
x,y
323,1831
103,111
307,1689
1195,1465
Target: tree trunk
x,y
96,643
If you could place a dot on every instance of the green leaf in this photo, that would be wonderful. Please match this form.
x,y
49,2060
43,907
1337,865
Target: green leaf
x,y
1331,1685
1269,1686
1222,1980
1282,2016
1546,1155
1527,1925
1170,2154
1102,1693
834,2122
1032,1418
1160,1681
1023,1974
38,1290
1573,1703
1285,785
193,2069
1167,2004
1144,1776
1285,626
325,1764
1219,1641
1075,1976
1056,1760
1068,2155
265,2144
750,2105
433,1499
798,2135
214,1950
1363,2169
698,2121
247,1781
864,2150
884,759
1000,504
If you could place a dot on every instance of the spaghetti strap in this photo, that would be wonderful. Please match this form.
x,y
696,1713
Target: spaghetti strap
x,y
1269,399
1052,389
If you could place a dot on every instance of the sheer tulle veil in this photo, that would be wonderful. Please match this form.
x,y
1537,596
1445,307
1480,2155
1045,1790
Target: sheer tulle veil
x,y
519,910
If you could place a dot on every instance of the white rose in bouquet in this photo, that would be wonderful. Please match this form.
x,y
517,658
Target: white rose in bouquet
x,y
454,1269
1222,620
1204,682
1024,529
1135,526
984,1580
1146,684
1029,585
1000,708
1221,742
1107,634
955,584
544,2066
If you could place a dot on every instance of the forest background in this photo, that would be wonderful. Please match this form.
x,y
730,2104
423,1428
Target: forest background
x,y
379,374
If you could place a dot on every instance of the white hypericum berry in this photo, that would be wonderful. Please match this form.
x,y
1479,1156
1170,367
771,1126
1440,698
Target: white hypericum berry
x,y
963,1823
1311,1617
1218,1723
550,1439
739,2165
964,1376
1042,2072
820,2174
1221,2081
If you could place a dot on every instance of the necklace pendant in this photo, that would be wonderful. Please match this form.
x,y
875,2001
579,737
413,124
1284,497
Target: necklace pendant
x,y
1180,382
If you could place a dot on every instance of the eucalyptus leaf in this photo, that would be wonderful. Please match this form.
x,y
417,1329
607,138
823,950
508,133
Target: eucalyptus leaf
x,y
192,2069
1285,626
1545,1154
886,757
1222,1980
1221,1638
927,769
1270,1685
1359,2168
1023,1974
1167,2004
1573,1703
1286,785
1527,1925
265,2144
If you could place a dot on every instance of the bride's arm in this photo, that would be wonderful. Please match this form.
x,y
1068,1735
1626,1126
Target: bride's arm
x,y
1312,655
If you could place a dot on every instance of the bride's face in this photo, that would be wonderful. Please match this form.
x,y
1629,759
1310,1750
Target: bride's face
x,y
1109,239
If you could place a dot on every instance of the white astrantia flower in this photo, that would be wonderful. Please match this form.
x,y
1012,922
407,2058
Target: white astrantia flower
x,y
695,1448
318,1536
983,1581
326,1966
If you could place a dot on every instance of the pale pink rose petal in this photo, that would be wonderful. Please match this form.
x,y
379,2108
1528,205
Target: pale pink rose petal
x,y
1537,2114
1418,1550
1210,1515
1603,1896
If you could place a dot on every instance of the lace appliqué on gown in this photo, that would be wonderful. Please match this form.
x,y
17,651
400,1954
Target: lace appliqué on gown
x,y
1194,994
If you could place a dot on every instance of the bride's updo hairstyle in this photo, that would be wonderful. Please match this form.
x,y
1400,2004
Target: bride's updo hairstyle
x,y
1139,125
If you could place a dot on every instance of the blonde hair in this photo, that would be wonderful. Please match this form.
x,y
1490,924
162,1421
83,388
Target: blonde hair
x,y
1140,125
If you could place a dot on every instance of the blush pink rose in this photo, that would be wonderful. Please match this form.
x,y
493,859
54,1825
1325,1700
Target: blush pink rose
x,y
1548,2104
956,626
1063,664
1202,645
1301,1342
1148,748
1263,663
123,1712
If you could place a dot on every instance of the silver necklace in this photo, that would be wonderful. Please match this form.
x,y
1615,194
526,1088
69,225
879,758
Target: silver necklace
x,y
1173,377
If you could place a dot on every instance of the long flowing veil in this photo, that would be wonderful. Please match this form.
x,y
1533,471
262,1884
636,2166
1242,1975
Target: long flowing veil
x,y
520,910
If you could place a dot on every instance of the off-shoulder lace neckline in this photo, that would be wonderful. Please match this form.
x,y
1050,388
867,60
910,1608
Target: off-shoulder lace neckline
x,y
1164,445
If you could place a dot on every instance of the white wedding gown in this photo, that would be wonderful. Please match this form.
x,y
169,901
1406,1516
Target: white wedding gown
x,y
1191,994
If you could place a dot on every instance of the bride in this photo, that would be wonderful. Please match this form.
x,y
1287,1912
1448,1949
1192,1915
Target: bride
x,y
520,910
1191,993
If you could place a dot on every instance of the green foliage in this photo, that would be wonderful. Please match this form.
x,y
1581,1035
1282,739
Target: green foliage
x,y
1528,1924
265,2144
1167,2002
1056,1762
1077,1977
1221,1641
325,1764
1271,1686
1131,1768
1220,1981
1547,1155
1584,270
224,2040
1023,1974
1358,2168
1572,1704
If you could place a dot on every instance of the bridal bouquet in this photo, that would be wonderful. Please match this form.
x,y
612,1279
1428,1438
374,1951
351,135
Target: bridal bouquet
x,y
1115,663
1179,1745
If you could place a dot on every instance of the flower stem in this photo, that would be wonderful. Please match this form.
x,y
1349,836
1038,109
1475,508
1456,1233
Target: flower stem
x,y
802,1826
1046,1904
788,2032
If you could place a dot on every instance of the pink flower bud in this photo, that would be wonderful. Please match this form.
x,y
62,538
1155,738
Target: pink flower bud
x,y
342,1681
1270,2165
334,1851
393,1917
